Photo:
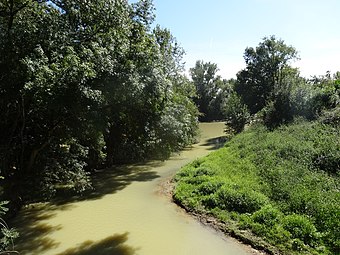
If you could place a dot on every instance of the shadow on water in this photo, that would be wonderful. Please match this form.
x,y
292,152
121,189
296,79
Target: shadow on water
x,y
33,221
112,180
112,245
34,230
216,142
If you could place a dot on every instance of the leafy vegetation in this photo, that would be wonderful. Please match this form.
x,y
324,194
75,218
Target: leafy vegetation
x,y
100,85
272,184
268,90
266,72
7,234
237,114
103,85
278,180
212,92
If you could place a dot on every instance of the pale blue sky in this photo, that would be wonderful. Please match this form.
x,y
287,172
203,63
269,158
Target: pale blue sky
x,y
220,30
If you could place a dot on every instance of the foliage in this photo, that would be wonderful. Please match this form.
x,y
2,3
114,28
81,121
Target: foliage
x,y
274,91
7,235
236,114
271,183
268,88
265,72
240,200
300,227
317,97
178,125
97,86
211,90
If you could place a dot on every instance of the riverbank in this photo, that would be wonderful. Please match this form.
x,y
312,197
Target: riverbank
x,y
275,190
253,246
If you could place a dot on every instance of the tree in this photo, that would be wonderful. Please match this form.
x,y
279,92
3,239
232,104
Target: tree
x,y
52,98
265,72
96,85
207,83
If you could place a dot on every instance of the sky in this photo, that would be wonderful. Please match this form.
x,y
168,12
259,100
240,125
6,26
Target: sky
x,y
219,31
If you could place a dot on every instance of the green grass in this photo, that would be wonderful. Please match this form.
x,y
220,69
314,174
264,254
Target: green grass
x,y
282,186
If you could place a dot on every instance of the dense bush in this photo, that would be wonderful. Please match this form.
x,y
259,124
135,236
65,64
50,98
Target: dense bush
x,y
278,112
316,97
300,227
236,114
240,200
267,216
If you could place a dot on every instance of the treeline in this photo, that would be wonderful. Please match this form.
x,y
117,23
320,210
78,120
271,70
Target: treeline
x,y
268,90
85,85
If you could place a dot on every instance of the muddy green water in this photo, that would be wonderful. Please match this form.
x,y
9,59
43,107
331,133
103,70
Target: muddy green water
x,y
128,214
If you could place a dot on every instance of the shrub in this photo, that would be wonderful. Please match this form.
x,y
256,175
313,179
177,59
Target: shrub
x,y
240,200
236,114
271,183
301,228
267,215
197,180
210,187
298,245
328,161
277,112
203,170
210,201
278,235
7,235
301,101
331,117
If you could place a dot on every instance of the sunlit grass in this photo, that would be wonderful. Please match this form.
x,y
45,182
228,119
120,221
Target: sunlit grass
x,y
282,186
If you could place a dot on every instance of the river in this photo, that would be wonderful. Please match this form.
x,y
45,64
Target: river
x,y
127,214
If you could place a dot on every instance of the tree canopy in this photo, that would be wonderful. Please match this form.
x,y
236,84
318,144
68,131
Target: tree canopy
x,y
210,90
266,69
98,85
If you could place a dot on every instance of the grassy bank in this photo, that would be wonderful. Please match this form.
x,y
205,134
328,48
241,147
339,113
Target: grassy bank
x,y
280,188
